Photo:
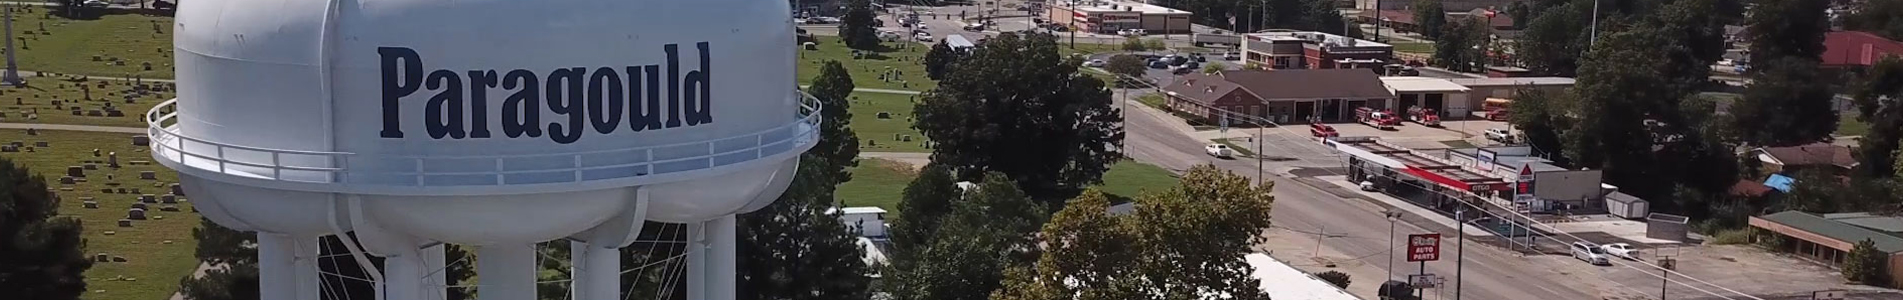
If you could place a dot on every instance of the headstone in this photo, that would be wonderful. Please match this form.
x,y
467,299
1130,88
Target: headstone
x,y
121,259
148,198
140,140
109,232
95,152
112,160
41,144
66,180
168,208
176,190
95,113
138,205
168,199
123,191
90,204
135,214
117,113
76,171
136,191
148,175
9,148
125,223
101,257
32,131
91,166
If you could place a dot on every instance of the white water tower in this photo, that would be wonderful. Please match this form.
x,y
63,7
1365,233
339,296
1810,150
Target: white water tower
x,y
495,124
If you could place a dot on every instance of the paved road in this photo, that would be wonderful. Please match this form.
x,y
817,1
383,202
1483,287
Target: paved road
x,y
1154,137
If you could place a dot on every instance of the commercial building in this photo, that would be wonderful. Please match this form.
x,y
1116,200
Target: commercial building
x,y
1110,17
1857,49
1488,94
1313,50
1538,185
1828,238
1446,98
1282,96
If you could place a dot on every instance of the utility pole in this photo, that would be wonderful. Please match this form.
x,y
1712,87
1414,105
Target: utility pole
x,y
1391,216
1593,34
1460,254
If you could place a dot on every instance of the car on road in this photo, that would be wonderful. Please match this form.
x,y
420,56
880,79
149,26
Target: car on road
x,y
1218,150
95,4
827,20
1232,56
923,37
1180,70
975,27
1500,135
1131,32
1590,253
1621,250
1159,64
1095,63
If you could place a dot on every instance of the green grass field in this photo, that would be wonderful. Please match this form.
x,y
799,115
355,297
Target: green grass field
x,y
116,45
1848,125
885,134
881,183
1421,48
158,251
908,61
37,99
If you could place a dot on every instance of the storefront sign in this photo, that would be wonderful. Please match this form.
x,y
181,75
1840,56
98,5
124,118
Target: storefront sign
x,y
1523,188
1423,247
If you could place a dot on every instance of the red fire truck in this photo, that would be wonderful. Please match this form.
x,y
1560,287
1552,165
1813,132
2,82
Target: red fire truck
x,y
1424,116
1380,119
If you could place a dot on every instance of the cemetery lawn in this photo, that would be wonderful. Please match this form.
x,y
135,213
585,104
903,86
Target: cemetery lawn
x,y
884,135
865,71
153,267
69,45
876,182
40,94
881,183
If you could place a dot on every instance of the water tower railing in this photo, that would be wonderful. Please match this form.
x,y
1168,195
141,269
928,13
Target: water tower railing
x,y
494,170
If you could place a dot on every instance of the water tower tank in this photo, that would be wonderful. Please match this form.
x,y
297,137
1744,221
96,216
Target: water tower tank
x,y
490,123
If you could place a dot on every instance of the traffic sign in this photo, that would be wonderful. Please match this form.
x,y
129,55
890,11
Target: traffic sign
x,y
1423,281
1423,247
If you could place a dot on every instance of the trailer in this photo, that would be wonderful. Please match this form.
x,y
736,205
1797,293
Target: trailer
x,y
1379,119
1206,39
1424,116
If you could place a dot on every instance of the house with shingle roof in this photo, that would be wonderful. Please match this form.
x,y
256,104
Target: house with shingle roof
x,y
1283,96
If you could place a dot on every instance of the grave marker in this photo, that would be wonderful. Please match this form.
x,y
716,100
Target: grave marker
x,y
135,214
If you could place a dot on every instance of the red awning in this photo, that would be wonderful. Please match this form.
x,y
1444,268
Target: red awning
x,y
1458,184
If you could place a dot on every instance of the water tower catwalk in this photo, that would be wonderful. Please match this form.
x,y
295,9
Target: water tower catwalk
x,y
493,124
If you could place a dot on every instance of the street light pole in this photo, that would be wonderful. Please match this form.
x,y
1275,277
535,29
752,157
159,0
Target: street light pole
x,y
1593,35
1391,216
1460,255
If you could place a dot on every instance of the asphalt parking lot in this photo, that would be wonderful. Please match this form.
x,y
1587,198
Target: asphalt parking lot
x,y
1738,268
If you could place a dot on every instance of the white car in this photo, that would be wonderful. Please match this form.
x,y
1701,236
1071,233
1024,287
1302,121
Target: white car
x,y
1590,253
1499,135
1218,150
95,3
1131,32
923,37
1095,63
1621,250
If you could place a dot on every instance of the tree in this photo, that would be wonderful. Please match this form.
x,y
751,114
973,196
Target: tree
x,y
232,282
41,252
793,249
1182,243
1788,104
939,60
838,145
1865,264
1459,45
856,27
1336,278
1787,28
1555,38
1541,117
1019,108
1134,44
922,208
968,254
236,274
1212,68
1520,13
1882,17
1876,97
1126,67
1431,16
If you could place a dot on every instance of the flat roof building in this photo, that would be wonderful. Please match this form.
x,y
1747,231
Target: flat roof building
x,y
1313,50
1109,17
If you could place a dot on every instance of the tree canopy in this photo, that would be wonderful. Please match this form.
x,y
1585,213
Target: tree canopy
x,y
1431,16
968,252
1787,28
1019,108
41,252
1788,104
939,60
838,145
1460,46
856,28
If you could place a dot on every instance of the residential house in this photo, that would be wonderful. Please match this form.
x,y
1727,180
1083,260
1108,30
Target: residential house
x,y
1834,158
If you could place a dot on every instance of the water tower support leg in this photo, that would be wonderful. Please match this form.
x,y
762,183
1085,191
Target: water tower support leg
x,y
287,267
721,265
697,261
597,271
506,272
403,276
436,286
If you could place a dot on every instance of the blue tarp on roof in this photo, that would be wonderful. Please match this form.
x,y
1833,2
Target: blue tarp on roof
x,y
1779,182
